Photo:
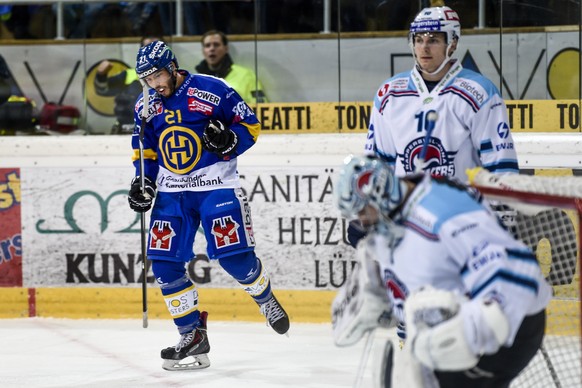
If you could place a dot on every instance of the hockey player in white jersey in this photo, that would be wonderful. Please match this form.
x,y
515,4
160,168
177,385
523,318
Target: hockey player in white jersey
x,y
472,126
472,298
458,113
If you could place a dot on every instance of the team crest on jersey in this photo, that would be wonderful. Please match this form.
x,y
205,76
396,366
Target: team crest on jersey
x,y
161,235
197,106
437,160
225,231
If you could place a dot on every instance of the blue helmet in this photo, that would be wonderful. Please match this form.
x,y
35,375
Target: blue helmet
x,y
153,57
368,181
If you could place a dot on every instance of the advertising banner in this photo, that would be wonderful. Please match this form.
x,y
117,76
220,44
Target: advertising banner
x,y
10,228
80,231
329,117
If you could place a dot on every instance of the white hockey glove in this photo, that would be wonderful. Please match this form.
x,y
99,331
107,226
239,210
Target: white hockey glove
x,y
449,333
362,304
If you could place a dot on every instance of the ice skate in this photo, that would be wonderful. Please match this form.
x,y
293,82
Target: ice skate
x,y
276,317
191,352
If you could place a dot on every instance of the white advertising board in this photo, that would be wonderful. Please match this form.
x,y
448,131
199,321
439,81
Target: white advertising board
x,y
77,229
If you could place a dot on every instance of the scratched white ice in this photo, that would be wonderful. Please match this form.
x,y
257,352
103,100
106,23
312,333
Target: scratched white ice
x,y
45,352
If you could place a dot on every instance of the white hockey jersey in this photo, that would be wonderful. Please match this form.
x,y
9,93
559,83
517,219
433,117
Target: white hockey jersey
x,y
471,130
453,242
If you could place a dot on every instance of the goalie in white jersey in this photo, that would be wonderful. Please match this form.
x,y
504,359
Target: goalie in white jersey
x,y
471,298
472,127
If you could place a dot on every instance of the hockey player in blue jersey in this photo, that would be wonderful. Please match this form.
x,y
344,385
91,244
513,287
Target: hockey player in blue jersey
x,y
469,297
196,127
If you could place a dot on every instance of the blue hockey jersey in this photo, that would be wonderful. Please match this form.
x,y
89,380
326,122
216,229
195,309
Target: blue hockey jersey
x,y
173,153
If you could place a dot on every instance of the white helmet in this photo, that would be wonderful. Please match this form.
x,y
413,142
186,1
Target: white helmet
x,y
436,19
367,180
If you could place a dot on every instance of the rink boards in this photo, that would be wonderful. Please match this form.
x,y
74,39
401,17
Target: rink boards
x,y
77,253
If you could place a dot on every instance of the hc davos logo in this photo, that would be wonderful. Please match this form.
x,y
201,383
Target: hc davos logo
x,y
225,231
437,160
161,235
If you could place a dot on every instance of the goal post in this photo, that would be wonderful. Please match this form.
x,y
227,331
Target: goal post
x,y
545,213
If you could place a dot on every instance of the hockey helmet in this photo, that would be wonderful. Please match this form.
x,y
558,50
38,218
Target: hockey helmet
x,y
436,19
155,56
365,181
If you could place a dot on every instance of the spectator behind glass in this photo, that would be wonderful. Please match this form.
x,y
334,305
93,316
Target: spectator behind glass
x,y
125,86
80,18
217,62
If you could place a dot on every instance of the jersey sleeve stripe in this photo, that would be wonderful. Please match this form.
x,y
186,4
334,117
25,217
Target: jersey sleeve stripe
x,y
521,255
486,146
508,277
503,166
422,231
254,129
147,154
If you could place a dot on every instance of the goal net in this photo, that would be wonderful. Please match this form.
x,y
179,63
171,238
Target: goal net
x,y
545,213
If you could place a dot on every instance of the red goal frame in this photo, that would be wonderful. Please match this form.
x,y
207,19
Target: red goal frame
x,y
549,200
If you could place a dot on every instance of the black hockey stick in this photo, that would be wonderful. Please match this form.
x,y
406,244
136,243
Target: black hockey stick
x,y
144,289
550,366
40,91
35,82
69,82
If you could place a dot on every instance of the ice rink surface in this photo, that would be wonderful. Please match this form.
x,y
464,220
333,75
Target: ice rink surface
x,y
46,352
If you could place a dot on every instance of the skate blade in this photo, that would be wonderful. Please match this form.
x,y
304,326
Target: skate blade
x,y
200,361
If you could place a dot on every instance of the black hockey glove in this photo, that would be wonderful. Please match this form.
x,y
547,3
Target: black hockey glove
x,y
139,202
219,139
356,232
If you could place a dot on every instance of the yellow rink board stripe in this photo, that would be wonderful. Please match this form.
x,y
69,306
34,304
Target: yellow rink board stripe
x,y
354,116
222,305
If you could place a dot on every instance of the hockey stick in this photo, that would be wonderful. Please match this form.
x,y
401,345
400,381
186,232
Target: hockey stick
x,y
42,95
40,91
144,289
431,119
364,358
550,366
69,82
